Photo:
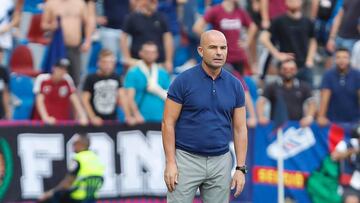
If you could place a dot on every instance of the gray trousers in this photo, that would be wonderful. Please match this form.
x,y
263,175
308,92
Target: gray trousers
x,y
212,175
74,55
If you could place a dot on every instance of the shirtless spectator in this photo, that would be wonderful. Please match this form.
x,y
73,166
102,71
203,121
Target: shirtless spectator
x,y
74,15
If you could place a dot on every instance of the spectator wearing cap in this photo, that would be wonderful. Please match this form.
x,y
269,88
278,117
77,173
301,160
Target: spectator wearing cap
x,y
54,93
348,152
5,112
340,91
77,27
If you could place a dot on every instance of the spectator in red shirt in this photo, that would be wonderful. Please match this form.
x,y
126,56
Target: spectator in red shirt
x,y
231,20
54,93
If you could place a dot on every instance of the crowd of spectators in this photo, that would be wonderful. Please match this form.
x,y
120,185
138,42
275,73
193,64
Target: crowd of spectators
x,y
146,43
154,40
291,56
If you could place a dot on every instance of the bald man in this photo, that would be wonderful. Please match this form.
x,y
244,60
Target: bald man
x,y
203,109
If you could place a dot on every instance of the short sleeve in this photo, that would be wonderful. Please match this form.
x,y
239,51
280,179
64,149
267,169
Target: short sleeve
x,y
175,92
127,24
307,91
357,79
209,15
5,75
119,81
326,81
37,83
240,95
243,83
73,168
87,84
164,23
165,79
70,83
268,91
246,20
274,27
311,29
130,79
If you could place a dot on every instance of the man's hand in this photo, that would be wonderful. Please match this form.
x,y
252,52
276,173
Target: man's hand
x,y
306,121
168,66
139,118
330,45
251,122
283,56
101,20
85,47
131,121
130,61
49,120
263,120
265,24
322,120
171,176
96,121
309,63
83,121
47,195
5,29
238,182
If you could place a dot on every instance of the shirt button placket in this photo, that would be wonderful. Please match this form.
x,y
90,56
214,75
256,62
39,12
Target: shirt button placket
x,y
213,88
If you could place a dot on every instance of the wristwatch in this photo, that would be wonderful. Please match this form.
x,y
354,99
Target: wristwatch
x,y
243,169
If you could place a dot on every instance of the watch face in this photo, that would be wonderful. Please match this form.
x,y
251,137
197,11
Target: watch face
x,y
242,169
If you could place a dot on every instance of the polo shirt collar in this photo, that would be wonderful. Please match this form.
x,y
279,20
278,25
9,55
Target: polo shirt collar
x,y
296,82
349,71
205,75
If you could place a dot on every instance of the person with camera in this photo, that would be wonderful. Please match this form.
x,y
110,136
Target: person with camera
x,y
349,150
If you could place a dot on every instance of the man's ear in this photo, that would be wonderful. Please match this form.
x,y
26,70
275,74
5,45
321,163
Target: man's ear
x,y
200,51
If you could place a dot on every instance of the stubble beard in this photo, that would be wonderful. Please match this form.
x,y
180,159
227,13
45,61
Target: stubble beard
x,y
212,67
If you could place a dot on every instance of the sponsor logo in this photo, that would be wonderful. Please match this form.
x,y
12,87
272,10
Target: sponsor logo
x,y
295,141
269,175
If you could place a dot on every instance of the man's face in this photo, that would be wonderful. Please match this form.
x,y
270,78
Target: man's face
x,y
293,5
213,50
288,70
149,53
342,59
58,73
150,5
107,64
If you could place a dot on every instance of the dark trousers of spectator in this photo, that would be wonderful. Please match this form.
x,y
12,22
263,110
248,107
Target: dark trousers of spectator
x,y
61,196
74,55
305,74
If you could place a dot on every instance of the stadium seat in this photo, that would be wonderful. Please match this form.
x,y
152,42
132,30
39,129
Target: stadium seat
x,y
35,33
21,61
22,96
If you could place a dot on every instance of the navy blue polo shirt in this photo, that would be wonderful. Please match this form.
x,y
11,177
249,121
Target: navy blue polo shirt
x,y
204,126
344,100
